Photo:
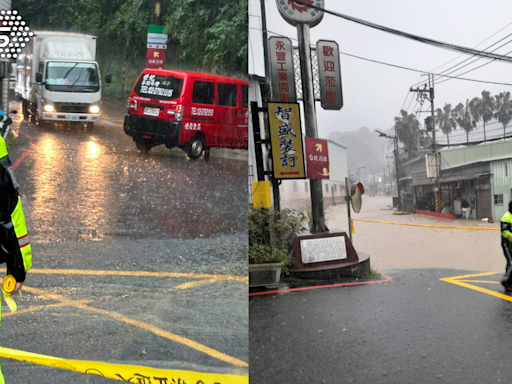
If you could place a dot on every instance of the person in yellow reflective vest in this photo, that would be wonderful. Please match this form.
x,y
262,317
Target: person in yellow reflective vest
x,y
506,244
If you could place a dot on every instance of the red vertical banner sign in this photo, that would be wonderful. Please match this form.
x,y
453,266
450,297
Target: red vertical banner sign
x,y
317,158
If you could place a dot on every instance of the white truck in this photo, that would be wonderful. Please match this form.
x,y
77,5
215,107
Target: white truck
x,y
58,79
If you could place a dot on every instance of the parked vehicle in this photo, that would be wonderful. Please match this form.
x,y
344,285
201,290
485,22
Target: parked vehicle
x,y
191,110
58,79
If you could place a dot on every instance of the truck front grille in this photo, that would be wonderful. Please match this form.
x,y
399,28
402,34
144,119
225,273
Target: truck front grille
x,y
72,107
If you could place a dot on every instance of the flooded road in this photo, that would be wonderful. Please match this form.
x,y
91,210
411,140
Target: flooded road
x,y
138,259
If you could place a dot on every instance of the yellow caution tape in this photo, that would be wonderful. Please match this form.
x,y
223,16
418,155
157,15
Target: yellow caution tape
x,y
128,373
352,226
428,226
8,285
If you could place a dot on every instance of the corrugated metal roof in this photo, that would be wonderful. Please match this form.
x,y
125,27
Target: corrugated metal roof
x,y
456,157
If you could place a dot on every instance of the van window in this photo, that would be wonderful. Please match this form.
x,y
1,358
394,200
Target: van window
x,y
228,95
245,96
203,92
159,87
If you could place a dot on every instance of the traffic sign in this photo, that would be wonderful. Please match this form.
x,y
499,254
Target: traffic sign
x,y
155,58
317,158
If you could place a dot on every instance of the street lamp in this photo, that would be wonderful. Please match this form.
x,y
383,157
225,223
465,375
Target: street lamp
x,y
395,142
358,178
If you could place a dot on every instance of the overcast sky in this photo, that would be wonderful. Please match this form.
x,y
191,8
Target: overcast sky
x,y
373,93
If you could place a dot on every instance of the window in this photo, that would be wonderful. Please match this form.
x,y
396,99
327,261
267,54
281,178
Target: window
x,y
203,92
326,188
306,186
245,96
228,95
334,188
295,189
498,199
159,87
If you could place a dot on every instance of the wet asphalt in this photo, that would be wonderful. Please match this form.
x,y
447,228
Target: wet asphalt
x,y
92,202
416,328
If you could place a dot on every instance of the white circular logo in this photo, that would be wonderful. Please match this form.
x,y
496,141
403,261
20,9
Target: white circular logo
x,y
14,34
295,13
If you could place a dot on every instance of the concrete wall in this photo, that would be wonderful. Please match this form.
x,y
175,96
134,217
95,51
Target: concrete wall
x,y
296,194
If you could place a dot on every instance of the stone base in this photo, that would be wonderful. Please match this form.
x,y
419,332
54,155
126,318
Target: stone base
x,y
348,269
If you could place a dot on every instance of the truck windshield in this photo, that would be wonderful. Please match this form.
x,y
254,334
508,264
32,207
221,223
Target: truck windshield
x,y
72,77
159,87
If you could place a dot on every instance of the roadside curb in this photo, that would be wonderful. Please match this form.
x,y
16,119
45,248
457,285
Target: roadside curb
x,y
385,280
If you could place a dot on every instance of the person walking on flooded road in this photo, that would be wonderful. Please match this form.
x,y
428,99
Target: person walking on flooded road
x,y
506,244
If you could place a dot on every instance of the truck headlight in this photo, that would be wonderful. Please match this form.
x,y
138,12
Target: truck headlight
x,y
49,108
94,109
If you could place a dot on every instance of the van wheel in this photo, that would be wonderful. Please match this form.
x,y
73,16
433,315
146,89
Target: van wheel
x,y
144,146
195,147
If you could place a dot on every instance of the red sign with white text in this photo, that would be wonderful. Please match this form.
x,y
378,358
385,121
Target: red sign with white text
x,y
317,158
155,58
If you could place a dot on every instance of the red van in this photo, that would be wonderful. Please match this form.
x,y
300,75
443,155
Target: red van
x,y
192,110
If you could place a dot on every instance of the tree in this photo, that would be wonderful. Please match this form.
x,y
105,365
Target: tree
x,y
214,33
463,118
503,112
487,108
445,120
475,111
407,130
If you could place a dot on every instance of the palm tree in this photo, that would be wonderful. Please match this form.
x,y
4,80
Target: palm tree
x,y
407,128
487,108
475,110
503,110
444,119
463,118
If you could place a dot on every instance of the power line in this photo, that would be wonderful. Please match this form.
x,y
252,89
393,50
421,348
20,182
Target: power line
x,y
471,70
401,67
483,41
410,36
469,58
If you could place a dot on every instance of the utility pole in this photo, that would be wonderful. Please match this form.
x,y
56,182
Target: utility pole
x,y
429,95
265,37
273,181
317,201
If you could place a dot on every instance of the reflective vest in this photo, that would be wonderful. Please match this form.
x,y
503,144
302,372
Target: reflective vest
x,y
506,226
3,147
20,228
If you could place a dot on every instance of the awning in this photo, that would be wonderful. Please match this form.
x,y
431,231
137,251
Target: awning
x,y
469,177
405,178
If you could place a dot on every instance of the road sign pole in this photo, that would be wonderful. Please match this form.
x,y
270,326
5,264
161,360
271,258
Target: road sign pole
x,y
347,198
317,199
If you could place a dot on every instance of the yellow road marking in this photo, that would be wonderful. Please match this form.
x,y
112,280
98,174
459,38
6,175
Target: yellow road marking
x,y
123,372
427,225
41,307
168,335
474,275
194,284
480,281
157,331
479,289
138,273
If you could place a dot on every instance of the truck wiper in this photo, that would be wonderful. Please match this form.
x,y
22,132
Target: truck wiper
x,y
78,78
67,73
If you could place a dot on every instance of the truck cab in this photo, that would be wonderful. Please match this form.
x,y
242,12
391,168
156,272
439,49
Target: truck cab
x,y
59,79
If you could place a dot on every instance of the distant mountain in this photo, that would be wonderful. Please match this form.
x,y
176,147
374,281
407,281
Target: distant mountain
x,y
364,149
